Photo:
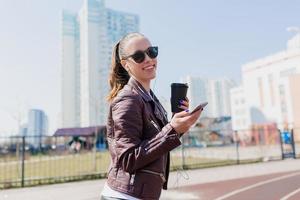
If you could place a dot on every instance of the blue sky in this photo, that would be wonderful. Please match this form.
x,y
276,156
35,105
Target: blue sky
x,y
202,38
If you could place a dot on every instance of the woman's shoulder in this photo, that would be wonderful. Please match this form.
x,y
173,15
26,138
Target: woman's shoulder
x,y
127,94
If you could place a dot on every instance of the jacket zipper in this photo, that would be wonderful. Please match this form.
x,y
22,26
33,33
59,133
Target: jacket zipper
x,y
161,175
155,173
155,125
132,177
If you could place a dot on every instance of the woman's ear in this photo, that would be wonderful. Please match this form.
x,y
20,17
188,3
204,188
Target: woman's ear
x,y
123,62
125,65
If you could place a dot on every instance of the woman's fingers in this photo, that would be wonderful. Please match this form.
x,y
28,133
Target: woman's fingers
x,y
182,114
192,118
184,105
187,99
196,115
183,120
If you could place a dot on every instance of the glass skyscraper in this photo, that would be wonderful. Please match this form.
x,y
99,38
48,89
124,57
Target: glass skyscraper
x,y
37,127
87,40
215,91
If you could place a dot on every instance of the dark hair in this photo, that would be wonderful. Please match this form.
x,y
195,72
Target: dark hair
x,y
119,77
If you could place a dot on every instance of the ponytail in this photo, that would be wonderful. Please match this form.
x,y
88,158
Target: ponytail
x,y
118,77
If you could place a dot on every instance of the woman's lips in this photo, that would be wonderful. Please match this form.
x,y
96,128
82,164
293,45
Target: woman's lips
x,y
149,67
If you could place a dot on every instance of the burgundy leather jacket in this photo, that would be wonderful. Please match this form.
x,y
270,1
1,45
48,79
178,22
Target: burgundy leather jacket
x,y
140,139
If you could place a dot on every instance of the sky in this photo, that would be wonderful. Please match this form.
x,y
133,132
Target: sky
x,y
208,39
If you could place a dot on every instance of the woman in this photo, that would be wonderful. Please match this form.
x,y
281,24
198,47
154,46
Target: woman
x,y
139,135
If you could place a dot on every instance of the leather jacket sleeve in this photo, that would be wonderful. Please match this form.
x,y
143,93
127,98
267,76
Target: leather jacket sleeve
x,y
132,150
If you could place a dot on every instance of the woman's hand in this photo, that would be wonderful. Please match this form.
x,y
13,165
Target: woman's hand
x,y
184,104
183,121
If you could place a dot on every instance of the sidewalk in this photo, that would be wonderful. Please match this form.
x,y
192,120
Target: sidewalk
x,y
90,190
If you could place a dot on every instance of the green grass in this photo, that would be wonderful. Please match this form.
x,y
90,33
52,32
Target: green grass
x,y
43,169
62,167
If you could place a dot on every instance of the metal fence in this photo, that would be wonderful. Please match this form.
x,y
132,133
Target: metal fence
x,y
27,161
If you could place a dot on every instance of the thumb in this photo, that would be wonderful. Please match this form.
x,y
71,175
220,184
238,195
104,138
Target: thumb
x,y
182,114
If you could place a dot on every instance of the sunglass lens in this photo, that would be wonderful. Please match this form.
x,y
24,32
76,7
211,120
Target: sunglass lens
x,y
138,57
152,52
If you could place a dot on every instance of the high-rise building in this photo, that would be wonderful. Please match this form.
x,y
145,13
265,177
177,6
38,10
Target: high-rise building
x,y
219,90
37,127
239,112
197,92
88,39
214,91
70,71
269,92
23,130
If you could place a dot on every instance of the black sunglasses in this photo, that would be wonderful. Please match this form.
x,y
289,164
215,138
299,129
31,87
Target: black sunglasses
x,y
139,56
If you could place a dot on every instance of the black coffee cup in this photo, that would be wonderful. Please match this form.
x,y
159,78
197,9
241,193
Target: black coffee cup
x,y
178,92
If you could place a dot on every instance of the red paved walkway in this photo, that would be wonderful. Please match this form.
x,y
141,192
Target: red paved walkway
x,y
272,186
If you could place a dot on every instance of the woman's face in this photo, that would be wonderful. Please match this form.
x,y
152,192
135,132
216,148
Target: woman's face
x,y
144,71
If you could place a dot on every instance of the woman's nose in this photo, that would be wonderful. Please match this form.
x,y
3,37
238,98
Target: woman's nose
x,y
147,58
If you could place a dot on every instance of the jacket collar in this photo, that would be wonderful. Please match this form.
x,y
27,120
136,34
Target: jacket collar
x,y
140,89
159,111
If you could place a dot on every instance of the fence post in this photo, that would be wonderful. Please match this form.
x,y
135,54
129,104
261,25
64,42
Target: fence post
x,y
281,145
293,143
237,144
23,161
95,149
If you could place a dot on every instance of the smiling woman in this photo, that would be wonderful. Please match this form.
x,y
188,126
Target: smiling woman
x,y
138,132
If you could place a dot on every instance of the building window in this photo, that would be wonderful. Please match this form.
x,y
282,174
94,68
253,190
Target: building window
x,y
271,87
261,92
288,72
283,103
242,101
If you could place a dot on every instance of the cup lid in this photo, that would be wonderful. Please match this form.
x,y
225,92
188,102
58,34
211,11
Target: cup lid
x,y
179,85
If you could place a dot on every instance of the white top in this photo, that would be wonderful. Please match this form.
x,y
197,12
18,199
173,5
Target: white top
x,y
108,192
